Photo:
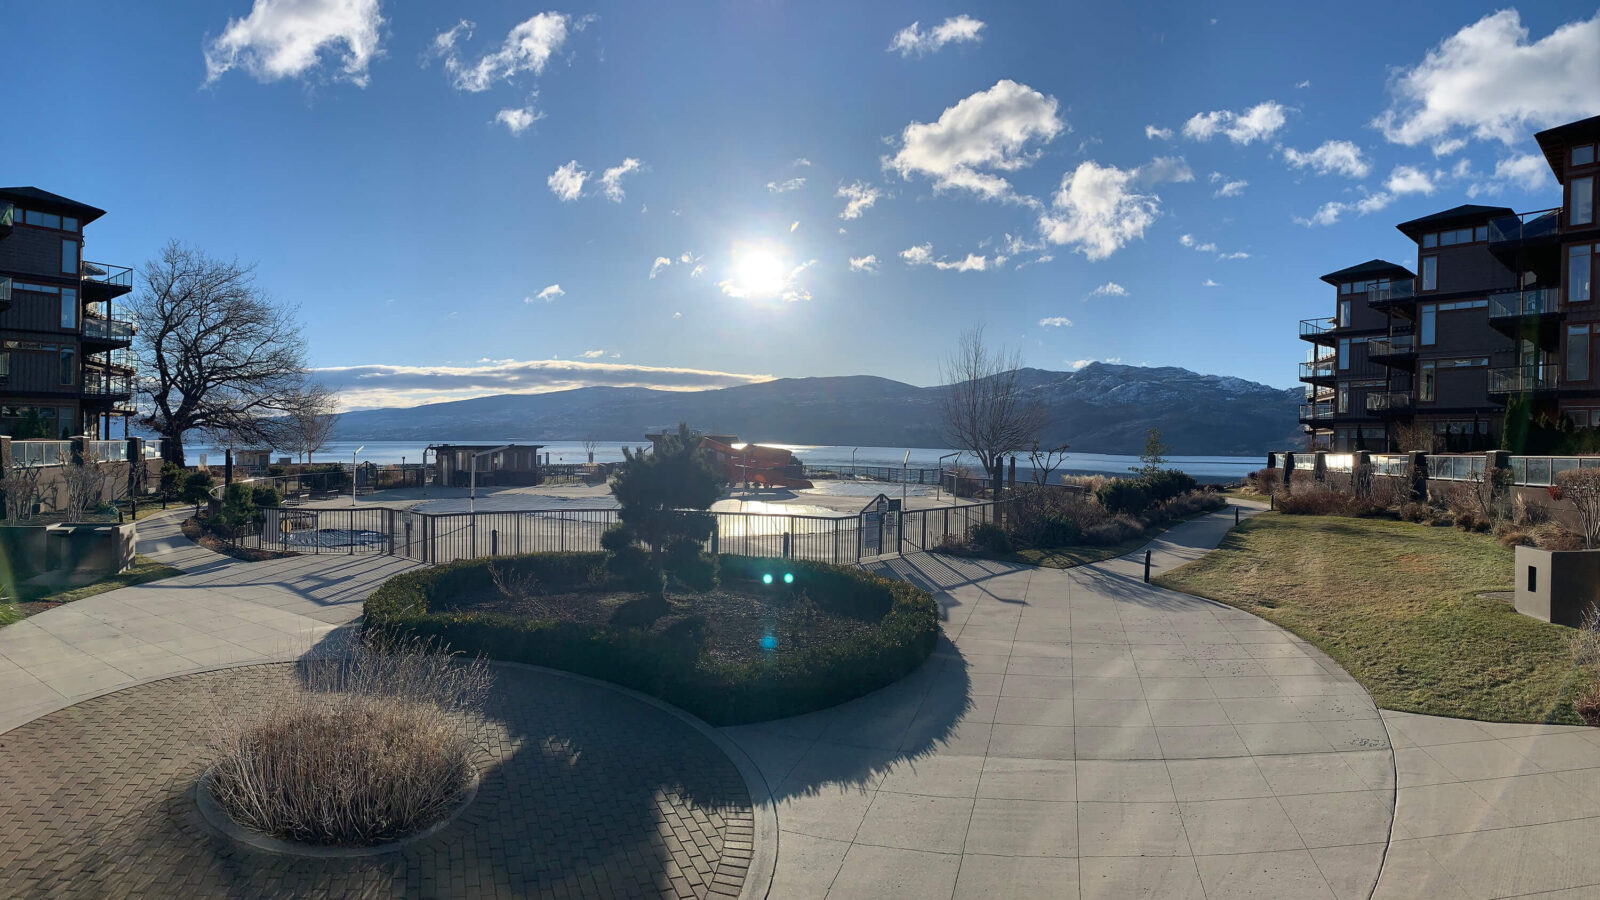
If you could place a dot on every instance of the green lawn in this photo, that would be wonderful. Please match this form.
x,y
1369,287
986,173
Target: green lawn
x,y
142,570
1396,604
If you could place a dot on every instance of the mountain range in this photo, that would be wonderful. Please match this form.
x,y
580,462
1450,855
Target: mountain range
x,y
1100,408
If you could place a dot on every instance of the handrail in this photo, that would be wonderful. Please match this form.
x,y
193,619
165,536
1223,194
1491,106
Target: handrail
x,y
109,329
106,273
1391,346
1520,379
1387,401
1397,290
1523,226
1317,368
1536,302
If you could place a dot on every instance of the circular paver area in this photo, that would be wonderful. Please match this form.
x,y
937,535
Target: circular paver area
x,y
585,792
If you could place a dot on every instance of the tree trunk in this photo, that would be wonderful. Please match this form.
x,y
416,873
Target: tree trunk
x,y
172,449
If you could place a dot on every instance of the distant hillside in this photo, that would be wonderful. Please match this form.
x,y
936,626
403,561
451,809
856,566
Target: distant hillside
x,y
1100,408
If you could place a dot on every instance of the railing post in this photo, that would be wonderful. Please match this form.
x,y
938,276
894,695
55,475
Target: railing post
x,y
786,548
716,534
1147,567
494,542
900,533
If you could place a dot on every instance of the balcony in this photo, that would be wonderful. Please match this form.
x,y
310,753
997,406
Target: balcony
x,y
1524,379
1396,351
1514,312
1318,370
107,331
1509,234
1316,412
1318,331
97,385
1398,293
8,214
1391,403
103,281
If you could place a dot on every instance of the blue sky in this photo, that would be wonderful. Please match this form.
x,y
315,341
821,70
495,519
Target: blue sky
x,y
817,188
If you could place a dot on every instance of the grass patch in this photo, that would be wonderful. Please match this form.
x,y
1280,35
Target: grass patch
x,y
1074,555
29,601
1396,605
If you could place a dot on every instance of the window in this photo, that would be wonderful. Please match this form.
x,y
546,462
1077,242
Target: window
x,y
1580,270
1344,353
1344,398
1429,241
1427,383
1430,273
69,309
5,364
1582,209
1344,313
1481,233
1577,353
1583,156
1427,322
69,257
69,371
68,223
1344,288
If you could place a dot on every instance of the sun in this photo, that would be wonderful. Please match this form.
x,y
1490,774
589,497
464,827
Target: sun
x,y
759,273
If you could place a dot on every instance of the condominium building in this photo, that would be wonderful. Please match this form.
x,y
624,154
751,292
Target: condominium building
x,y
65,364
1497,308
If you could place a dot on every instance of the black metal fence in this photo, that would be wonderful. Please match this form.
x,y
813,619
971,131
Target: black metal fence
x,y
444,537
891,474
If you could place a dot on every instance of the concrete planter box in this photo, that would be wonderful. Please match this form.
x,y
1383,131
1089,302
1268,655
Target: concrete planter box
x,y
1559,586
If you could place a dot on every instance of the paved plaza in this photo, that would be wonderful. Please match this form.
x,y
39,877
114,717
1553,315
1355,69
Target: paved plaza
x,y
1076,734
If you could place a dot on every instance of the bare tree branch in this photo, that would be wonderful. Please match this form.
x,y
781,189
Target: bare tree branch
x,y
985,410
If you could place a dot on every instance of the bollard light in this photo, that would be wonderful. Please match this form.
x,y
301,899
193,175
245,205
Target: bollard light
x,y
788,578
767,578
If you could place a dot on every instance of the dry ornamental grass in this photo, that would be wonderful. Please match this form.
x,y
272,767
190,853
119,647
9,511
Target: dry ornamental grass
x,y
375,747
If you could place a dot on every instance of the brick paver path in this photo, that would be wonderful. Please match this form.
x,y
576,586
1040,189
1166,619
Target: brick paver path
x,y
585,792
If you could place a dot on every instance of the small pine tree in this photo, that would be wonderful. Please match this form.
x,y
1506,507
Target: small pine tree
x,y
1154,456
659,492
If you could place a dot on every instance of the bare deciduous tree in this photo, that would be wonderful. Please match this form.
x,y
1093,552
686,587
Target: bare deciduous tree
x,y
1045,460
985,410
1582,487
310,421
85,484
1413,437
214,352
20,487
589,445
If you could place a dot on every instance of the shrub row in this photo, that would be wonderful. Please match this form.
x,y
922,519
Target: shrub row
x,y
669,665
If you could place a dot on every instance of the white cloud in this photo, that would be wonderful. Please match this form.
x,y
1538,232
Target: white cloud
x,y
1098,209
1302,84
922,255
1487,81
859,197
548,294
1408,180
868,263
593,354
1332,157
611,179
996,129
801,161
527,48
1237,254
1529,172
1227,187
382,385
783,187
1056,322
954,30
1257,123
1157,134
1209,283
286,38
661,263
790,290
1188,241
1165,168
518,120
1330,212
1109,289
1077,364
1449,146
677,315
697,271
566,182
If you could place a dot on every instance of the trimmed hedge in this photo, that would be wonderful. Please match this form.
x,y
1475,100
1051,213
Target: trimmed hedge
x,y
669,665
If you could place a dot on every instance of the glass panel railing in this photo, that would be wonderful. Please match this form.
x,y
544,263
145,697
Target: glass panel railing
x,y
1317,368
106,451
1391,346
1396,290
1525,226
1520,379
1314,327
106,273
107,329
41,453
1316,410
5,288
1389,401
8,211
103,385
1515,304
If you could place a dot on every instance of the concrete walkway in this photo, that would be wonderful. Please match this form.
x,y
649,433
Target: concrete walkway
x,y
219,612
1077,733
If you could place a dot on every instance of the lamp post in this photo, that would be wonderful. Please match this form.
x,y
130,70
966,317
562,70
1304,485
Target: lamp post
x,y
940,488
905,471
853,461
353,456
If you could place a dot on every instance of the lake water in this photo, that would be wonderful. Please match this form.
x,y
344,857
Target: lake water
x,y
1211,468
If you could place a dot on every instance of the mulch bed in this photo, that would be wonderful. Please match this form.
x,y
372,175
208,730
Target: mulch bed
x,y
738,616
193,530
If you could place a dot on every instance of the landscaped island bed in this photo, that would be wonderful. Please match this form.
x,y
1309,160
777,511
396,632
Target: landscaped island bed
x,y
741,651
1398,605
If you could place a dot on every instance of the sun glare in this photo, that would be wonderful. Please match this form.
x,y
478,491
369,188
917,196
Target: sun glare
x,y
759,273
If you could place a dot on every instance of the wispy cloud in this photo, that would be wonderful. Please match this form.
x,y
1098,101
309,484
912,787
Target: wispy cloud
x,y
1259,122
287,39
1056,322
1331,157
954,30
567,181
528,47
548,294
859,197
611,179
518,119
661,263
1109,289
922,255
1157,134
868,263
383,385
785,186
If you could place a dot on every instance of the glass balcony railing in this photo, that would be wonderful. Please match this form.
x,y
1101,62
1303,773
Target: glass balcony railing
x,y
5,288
1317,369
1390,401
1523,379
41,453
1396,290
1313,328
1395,345
106,451
107,329
1315,411
1517,304
8,213
1541,223
107,274
100,385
